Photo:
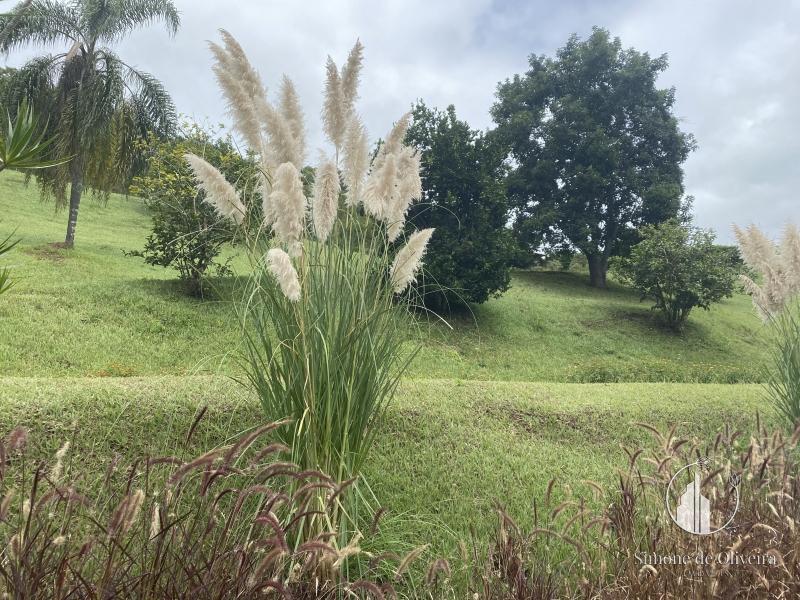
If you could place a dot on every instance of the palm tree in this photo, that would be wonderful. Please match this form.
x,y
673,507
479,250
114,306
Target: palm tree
x,y
96,105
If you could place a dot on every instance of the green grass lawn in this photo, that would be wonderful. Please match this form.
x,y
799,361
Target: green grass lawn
x,y
98,343
446,451
93,311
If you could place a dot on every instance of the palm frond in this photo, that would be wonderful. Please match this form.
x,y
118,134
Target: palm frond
x,y
39,23
129,15
33,81
158,110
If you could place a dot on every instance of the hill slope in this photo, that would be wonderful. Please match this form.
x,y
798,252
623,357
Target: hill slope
x,y
93,311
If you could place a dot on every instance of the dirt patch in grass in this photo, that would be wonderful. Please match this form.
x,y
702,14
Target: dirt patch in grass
x,y
551,424
52,252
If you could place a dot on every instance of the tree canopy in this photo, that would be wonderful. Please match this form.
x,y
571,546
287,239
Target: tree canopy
x,y
596,148
464,199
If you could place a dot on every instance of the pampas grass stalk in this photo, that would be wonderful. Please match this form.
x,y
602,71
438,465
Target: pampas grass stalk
x,y
326,199
777,264
334,116
288,204
356,161
409,260
218,191
380,188
280,265
351,77
293,114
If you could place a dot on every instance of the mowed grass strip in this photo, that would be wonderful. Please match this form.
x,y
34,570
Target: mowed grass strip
x,y
446,451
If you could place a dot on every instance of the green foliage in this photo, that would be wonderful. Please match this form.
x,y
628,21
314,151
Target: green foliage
x,y
597,148
21,146
22,142
5,273
679,267
468,259
783,382
188,234
95,104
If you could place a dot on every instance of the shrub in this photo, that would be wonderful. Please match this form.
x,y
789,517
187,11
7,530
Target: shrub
x,y
778,266
222,525
187,235
680,268
321,314
464,199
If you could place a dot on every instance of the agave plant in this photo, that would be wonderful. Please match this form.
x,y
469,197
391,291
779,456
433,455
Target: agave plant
x,y
23,142
322,324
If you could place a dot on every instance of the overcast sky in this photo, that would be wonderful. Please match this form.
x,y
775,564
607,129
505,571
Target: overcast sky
x,y
735,65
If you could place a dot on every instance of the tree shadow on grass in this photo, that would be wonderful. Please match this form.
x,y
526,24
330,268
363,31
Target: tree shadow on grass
x,y
574,284
650,321
215,289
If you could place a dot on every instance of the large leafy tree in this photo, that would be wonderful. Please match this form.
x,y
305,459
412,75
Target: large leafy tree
x,y
596,148
96,104
464,199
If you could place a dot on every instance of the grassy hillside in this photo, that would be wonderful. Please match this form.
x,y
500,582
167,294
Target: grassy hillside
x,y
98,346
93,311
446,451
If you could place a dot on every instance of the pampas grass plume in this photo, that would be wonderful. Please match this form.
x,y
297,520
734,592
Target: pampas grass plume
x,y
280,265
408,261
292,112
218,191
778,265
334,118
356,161
326,199
351,76
380,188
288,205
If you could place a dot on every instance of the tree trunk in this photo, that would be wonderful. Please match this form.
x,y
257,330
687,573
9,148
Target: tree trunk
x,y
76,189
598,267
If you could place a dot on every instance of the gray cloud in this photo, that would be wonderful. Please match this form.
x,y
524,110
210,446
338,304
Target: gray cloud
x,y
735,66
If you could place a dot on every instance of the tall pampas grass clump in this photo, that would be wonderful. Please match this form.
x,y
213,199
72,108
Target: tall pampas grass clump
x,y
777,300
325,310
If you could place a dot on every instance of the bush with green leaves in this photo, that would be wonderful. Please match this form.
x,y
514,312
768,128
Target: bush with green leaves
x,y
679,267
464,199
187,234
